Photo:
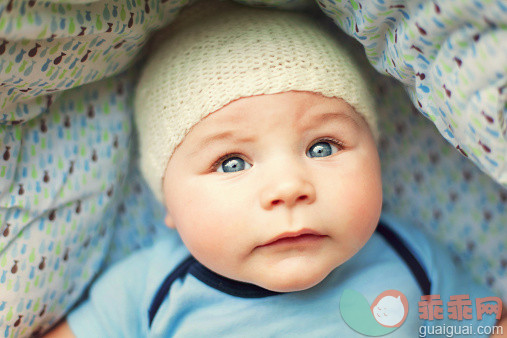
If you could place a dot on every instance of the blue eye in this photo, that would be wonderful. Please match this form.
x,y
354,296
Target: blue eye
x,y
233,164
321,149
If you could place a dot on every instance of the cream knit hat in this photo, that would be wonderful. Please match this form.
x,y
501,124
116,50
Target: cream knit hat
x,y
217,52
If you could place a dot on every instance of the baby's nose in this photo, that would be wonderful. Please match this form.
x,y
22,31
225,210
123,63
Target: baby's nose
x,y
288,191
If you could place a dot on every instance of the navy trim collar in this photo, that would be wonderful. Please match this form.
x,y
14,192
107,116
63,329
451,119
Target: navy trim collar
x,y
226,285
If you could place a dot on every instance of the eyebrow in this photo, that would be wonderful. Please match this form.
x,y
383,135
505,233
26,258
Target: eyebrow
x,y
227,135
230,136
323,118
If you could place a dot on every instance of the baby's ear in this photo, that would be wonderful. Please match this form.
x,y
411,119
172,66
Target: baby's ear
x,y
169,222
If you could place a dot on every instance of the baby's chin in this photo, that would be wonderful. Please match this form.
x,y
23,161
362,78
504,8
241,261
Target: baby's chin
x,y
291,280
292,284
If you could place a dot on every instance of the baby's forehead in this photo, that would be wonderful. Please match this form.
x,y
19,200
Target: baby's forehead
x,y
296,108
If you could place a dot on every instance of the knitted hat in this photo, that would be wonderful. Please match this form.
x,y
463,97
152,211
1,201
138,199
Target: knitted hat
x,y
217,52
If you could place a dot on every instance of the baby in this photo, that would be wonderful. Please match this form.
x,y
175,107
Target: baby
x,y
258,134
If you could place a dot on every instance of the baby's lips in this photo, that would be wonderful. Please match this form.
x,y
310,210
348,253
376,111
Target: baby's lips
x,y
295,235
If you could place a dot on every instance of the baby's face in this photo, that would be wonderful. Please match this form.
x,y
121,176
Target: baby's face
x,y
276,190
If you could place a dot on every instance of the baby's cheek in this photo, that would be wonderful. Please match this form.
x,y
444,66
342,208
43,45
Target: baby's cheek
x,y
365,205
369,186
212,227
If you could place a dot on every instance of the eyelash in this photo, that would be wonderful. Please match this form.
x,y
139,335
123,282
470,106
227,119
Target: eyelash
x,y
336,142
221,159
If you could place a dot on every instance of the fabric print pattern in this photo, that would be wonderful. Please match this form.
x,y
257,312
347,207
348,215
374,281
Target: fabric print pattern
x,y
59,178
46,47
450,59
283,4
64,150
428,184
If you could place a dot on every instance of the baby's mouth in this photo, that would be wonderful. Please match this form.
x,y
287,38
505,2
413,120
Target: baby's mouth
x,y
301,237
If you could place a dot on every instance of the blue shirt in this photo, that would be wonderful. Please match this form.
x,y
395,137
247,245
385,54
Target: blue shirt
x,y
201,303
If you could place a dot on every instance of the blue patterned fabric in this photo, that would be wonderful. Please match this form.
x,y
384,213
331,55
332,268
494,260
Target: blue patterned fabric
x,y
68,179
451,60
